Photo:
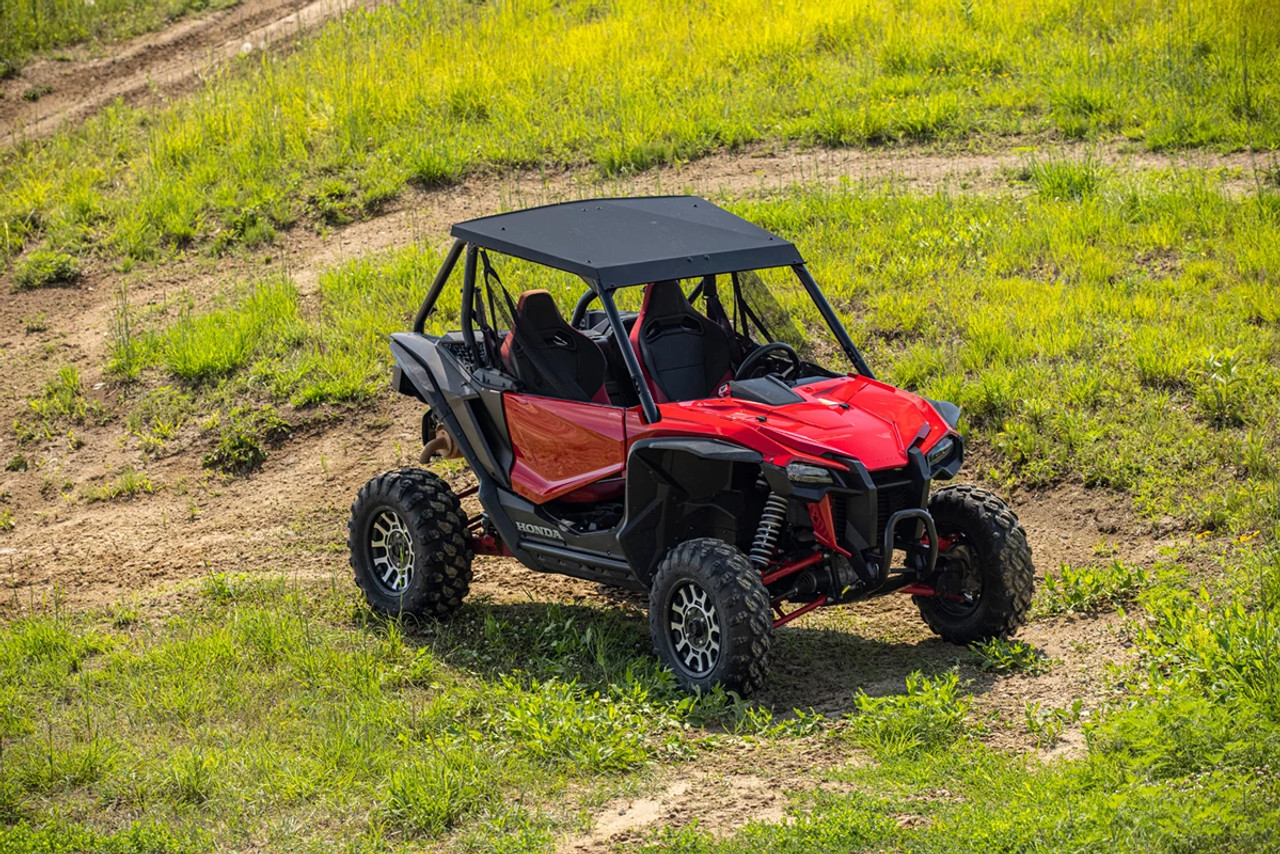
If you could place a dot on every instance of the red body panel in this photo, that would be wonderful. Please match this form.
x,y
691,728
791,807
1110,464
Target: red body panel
x,y
849,416
561,446
824,526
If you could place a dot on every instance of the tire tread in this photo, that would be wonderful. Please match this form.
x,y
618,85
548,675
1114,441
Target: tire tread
x,y
434,513
1004,608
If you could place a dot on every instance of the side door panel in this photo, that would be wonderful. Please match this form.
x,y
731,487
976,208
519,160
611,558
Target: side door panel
x,y
562,445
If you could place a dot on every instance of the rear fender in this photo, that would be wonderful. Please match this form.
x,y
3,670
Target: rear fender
x,y
681,488
423,371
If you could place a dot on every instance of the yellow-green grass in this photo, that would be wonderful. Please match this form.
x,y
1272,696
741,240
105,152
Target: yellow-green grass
x,y
32,26
1128,339
427,92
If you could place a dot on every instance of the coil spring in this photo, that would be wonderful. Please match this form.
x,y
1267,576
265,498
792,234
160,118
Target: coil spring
x,y
766,539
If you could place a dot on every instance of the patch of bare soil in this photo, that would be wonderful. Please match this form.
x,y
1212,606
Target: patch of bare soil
x,y
740,783
153,67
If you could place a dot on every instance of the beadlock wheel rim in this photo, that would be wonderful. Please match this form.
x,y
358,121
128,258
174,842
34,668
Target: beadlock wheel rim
x,y
391,551
694,627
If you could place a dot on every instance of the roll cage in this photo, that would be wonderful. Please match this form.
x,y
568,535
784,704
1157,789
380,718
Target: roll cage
x,y
560,236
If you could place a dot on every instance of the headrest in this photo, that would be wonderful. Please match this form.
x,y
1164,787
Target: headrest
x,y
538,309
665,299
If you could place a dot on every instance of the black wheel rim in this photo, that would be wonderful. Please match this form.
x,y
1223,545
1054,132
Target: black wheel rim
x,y
693,628
391,553
960,567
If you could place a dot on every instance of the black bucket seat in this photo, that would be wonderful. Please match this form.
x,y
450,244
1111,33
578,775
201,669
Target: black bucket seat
x,y
551,357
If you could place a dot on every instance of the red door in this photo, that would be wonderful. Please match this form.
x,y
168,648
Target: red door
x,y
562,446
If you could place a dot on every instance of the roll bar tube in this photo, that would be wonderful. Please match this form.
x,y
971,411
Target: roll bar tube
x,y
833,322
647,406
437,285
468,302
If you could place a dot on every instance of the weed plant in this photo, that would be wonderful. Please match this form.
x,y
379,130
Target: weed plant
x,y
128,484
61,404
1000,655
930,716
1087,589
427,92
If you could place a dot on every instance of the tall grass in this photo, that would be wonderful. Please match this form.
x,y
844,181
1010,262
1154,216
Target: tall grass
x,y
29,26
429,91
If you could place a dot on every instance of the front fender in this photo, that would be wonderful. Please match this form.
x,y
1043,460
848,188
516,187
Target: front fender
x,y
681,488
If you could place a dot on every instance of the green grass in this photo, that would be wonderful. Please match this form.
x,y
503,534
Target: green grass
x,y
999,655
243,434
130,483
60,406
290,716
930,716
1087,589
42,269
34,26
428,92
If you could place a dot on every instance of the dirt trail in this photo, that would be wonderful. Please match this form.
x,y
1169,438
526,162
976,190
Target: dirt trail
x,y
152,67
753,171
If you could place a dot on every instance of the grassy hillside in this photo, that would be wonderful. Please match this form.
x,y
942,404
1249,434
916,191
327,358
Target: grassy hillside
x,y
29,26
1122,334
429,91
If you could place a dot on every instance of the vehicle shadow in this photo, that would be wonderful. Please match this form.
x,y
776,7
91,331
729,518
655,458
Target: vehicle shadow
x,y
822,669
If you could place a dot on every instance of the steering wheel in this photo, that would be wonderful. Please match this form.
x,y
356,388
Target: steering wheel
x,y
580,308
764,351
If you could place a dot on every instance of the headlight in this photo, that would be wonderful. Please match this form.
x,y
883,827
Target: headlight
x,y
805,473
941,451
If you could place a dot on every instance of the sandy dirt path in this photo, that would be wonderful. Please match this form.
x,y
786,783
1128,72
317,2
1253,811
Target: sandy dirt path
x,y
154,67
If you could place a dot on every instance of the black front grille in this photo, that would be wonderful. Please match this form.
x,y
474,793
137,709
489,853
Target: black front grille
x,y
891,499
894,492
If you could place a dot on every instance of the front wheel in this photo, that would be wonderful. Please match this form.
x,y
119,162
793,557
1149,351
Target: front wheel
x,y
408,541
709,617
985,576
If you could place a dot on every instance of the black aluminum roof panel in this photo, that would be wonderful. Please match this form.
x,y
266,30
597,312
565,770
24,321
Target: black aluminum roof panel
x,y
632,241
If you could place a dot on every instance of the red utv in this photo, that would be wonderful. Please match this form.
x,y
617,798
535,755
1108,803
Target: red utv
x,y
701,428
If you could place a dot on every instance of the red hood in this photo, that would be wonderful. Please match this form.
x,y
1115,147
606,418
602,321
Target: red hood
x,y
849,416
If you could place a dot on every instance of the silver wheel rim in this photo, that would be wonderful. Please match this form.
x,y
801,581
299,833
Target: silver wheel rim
x,y
391,549
694,626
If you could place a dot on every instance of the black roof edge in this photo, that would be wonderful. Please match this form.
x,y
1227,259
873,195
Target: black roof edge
x,y
619,242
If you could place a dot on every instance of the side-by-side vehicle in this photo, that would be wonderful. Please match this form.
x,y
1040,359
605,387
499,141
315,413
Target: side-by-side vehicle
x,y
700,428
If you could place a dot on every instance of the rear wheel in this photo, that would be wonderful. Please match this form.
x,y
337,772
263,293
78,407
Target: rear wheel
x,y
709,617
408,542
985,576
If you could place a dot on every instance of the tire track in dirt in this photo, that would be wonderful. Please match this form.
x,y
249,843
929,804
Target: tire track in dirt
x,y
153,67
